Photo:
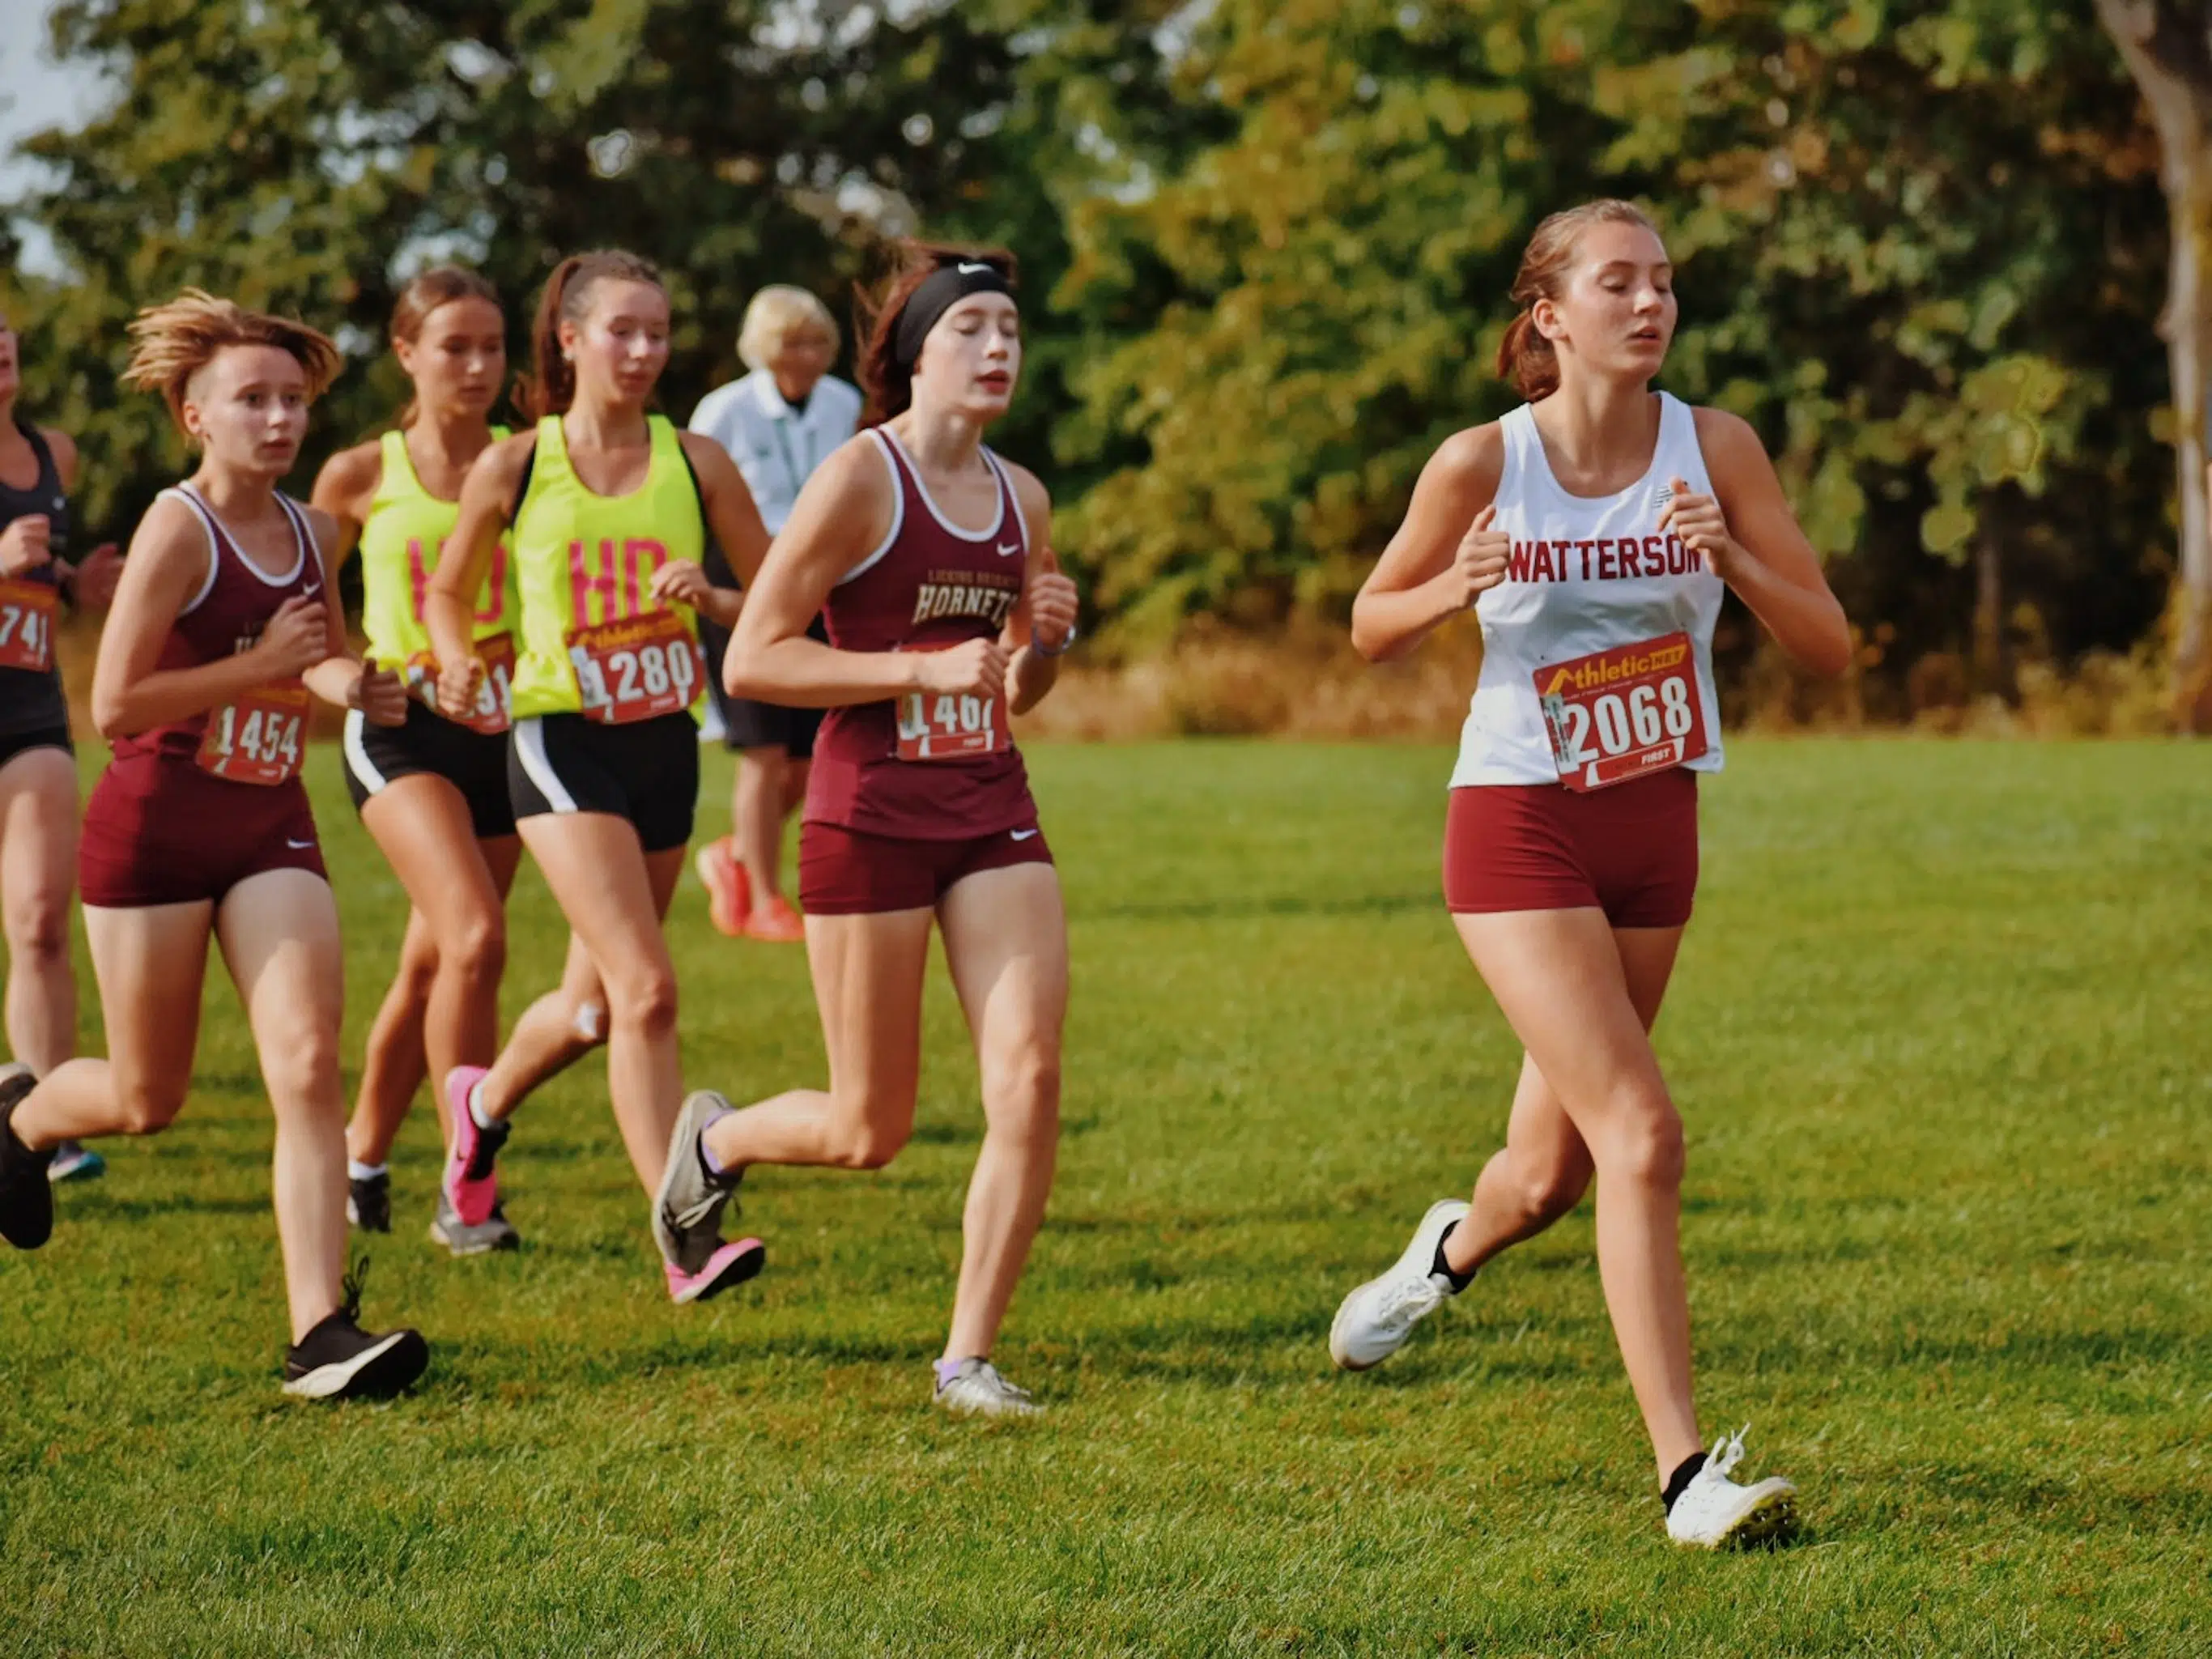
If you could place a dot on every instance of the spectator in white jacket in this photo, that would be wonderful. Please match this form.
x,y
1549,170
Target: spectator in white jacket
x,y
779,422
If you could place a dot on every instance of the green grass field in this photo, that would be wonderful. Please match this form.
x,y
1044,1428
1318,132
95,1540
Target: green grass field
x,y
1941,1037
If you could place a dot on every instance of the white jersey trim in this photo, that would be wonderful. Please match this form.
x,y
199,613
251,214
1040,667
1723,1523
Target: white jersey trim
x,y
998,519
214,547
898,512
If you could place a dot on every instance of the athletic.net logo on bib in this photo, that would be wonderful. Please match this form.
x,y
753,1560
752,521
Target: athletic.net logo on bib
x,y
1621,713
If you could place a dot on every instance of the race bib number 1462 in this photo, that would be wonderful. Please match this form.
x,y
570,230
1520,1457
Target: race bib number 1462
x,y
1617,714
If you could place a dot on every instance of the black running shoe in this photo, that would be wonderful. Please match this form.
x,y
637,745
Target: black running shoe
x,y
338,1360
26,1197
368,1202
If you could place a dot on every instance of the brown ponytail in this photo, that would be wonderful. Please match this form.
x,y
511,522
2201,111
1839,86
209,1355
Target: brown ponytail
x,y
550,386
888,382
424,292
1524,356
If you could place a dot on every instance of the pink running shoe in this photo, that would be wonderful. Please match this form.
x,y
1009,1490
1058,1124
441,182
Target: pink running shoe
x,y
472,1178
732,1264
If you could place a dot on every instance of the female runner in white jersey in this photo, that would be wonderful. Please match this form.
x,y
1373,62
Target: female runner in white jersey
x,y
1593,530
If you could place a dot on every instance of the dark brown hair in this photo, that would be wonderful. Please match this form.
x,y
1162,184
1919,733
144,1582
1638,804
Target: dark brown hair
x,y
422,294
889,383
550,386
171,342
1525,357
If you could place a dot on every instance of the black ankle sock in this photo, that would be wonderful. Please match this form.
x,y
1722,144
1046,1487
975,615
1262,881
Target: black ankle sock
x,y
1459,1281
1678,1482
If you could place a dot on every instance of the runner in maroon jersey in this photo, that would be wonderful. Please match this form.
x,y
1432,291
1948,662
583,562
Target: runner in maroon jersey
x,y
930,559
200,828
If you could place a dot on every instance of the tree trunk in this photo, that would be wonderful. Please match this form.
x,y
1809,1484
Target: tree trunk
x,y
1988,665
2168,47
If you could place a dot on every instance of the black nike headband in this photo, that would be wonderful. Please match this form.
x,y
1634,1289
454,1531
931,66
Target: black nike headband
x,y
942,289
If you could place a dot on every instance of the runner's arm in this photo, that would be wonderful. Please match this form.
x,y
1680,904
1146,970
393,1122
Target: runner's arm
x,y
843,513
344,490
1031,673
89,584
734,519
342,679
1412,588
168,564
488,503
1756,546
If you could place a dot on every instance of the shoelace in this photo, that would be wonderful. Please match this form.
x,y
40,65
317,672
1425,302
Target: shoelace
x,y
985,1376
350,1286
1407,1301
1727,1453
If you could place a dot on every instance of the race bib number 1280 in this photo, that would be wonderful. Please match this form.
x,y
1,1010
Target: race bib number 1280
x,y
636,669
1617,714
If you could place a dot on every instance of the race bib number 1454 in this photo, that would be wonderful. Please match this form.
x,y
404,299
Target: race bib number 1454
x,y
1617,714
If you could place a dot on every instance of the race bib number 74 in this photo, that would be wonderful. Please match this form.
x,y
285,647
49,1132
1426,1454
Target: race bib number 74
x,y
27,626
1617,714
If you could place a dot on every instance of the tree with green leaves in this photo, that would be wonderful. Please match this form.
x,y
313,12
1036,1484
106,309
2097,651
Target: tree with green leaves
x,y
2167,45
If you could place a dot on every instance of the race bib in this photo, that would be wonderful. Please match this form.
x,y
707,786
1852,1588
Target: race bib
x,y
935,725
27,626
636,669
260,738
1618,715
494,712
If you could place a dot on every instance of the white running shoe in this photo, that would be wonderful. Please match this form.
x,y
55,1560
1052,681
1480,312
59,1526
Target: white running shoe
x,y
1714,1513
1374,1320
976,1390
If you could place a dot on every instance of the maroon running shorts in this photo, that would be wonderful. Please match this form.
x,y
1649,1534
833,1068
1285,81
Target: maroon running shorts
x,y
1631,851
849,872
158,830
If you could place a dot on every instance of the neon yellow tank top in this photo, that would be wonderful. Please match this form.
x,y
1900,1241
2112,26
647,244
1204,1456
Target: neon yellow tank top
x,y
401,537
583,559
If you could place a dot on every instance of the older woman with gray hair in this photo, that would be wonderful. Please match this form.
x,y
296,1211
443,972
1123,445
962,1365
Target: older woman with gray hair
x,y
779,422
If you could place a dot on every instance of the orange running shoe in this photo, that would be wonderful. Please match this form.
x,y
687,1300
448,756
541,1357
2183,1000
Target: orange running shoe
x,y
729,894
776,921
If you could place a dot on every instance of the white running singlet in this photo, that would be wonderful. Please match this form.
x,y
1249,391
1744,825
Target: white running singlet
x,y
1589,574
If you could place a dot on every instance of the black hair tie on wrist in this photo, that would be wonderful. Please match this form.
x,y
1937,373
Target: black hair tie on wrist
x,y
942,289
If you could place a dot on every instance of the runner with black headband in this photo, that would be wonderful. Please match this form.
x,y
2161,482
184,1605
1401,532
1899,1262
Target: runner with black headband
x,y
930,559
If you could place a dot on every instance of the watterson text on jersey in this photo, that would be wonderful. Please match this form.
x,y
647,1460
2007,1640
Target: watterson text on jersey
x,y
1606,559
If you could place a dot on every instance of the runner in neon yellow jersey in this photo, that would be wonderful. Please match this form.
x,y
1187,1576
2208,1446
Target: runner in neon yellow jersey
x,y
433,792
610,507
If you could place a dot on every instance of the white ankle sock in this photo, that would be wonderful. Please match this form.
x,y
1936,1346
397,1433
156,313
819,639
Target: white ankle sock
x,y
476,1106
356,1170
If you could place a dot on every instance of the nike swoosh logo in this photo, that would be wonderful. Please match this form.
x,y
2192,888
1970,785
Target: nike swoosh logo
x,y
1022,835
297,846
969,267
1009,550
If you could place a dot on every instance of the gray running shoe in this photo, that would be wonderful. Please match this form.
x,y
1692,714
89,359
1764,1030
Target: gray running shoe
x,y
449,1230
687,1212
75,1163
975,1389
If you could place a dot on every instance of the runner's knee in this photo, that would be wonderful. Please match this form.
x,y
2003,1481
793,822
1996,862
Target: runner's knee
x,y
477,948
38,930
868,1134
1646,1144
646,1003
303,1066
148,1105
1548,1193
1021,1094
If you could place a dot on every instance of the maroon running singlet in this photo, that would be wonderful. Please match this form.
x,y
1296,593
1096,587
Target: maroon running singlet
x,y
186,811
908,796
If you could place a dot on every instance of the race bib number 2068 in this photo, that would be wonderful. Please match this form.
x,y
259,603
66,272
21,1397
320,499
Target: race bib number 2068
x,y
1617,714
